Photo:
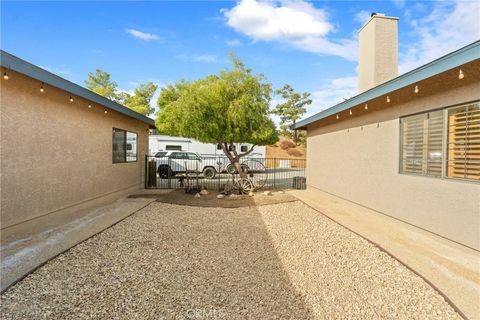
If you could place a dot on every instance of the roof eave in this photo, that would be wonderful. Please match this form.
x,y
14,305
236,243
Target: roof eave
x,y
16,64
452,60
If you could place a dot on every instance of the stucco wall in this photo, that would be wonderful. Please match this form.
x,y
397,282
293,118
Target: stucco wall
x,y
358,159
57,154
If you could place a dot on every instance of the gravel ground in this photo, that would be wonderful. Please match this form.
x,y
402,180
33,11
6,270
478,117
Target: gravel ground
x,y
281,261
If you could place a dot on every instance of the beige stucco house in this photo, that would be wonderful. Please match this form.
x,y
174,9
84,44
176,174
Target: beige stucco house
x,y
406,146
63,147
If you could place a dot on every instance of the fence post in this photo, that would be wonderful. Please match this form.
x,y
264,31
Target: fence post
x,y
274,172
169,184
146,173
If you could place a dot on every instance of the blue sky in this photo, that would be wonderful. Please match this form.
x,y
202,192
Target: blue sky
x,y
310,45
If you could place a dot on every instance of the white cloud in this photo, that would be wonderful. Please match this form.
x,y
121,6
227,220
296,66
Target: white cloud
x,y
362,17
399,3
297,23
207,58
449,26
335,91
144,36
233,43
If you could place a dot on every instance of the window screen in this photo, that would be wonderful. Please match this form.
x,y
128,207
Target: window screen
x,y
124,146
118,146
464,142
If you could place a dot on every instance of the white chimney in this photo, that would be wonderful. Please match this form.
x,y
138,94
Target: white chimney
x,y
378,51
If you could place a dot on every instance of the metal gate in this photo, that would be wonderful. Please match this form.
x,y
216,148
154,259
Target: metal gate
x,y
214,172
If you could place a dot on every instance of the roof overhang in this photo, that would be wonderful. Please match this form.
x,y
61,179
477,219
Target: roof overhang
x,y
445,63
11,62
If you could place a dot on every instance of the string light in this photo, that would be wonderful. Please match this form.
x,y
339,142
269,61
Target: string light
x,y
388,99
105,111
5,75
416,89
351,112
366,106
89,106
460,74
71,99
41,88
338,117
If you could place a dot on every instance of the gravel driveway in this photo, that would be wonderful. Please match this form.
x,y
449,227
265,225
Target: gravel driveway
x,y
281,261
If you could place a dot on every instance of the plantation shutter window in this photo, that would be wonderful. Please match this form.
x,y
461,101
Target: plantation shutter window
x,y
464,142
435,124
422,143
442,143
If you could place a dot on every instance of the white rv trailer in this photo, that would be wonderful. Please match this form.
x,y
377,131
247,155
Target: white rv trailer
x,y
169,143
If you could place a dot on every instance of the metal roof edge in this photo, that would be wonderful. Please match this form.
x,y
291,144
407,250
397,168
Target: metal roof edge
x,y
454,59
11,62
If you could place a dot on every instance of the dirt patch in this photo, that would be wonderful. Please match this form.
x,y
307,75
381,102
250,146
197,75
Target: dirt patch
x,y
210,200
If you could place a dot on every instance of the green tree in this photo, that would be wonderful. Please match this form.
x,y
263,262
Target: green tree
x,y
291,110
140,100
227,108
100,83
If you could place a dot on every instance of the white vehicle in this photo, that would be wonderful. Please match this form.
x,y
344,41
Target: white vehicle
x,y
170,163
169,143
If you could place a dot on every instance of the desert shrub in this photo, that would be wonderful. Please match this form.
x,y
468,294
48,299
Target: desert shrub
x,y
294,152
287,144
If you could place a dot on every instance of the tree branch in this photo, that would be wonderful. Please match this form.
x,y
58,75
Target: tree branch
x,y
227,153
233,149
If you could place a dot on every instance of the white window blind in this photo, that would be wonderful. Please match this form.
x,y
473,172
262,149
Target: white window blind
x,y
422,143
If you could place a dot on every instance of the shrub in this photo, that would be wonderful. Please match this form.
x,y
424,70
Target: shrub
x,y
287,144
294,152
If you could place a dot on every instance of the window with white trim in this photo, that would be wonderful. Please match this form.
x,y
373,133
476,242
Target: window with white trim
x,y
442,143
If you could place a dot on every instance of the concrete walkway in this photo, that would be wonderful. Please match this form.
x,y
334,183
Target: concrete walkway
x,y
451,268
29,245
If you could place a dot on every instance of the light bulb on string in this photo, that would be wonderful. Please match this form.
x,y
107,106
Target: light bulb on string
x,y
461,75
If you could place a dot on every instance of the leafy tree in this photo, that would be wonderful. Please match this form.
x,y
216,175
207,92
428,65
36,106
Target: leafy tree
x,y
140,100
101,84
227,108
291,110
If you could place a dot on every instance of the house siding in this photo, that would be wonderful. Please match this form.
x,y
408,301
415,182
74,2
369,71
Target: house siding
x,y
57,154
358,159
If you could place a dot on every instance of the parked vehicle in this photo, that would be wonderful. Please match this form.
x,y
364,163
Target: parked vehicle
x,y
170,163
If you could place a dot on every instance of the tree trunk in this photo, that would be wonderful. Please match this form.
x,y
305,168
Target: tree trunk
x,y
234,157
295,136
237,166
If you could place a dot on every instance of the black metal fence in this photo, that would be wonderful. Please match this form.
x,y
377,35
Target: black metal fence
x,y
214,173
